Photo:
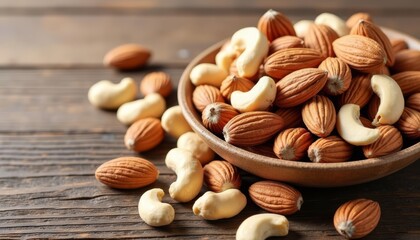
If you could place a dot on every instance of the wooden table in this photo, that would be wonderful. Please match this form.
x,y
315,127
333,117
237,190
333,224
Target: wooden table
x,y
52,139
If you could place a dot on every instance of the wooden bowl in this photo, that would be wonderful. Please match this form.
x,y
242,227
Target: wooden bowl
x,y
300,173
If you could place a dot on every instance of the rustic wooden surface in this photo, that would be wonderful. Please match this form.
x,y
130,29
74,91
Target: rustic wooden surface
x,y
52,140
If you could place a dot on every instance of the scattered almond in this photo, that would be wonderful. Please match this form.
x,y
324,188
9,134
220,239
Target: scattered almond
x,y
319,115
407,60
355,18
127,56
339,76
156,82
359,91
320,37
216,115
285,42
389,141
413,101
409,82
144,134
292,143
409,123
274,24
203,95
329,150
221,175
234,83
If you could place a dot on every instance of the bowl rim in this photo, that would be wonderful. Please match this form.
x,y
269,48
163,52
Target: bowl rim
x,y
197,126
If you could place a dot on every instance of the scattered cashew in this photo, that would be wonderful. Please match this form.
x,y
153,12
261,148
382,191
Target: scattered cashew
x,y
189,174
174,123
262,226
301,27
214,206
208,73
153,211
391,105
107,95
351,128
334,22
260,97
192,142
252,45
153,105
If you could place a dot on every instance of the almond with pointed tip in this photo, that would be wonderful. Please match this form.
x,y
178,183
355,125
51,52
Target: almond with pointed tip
x,y
144,134
216,115
409,82
156,82
339,76
285,42
355,18
407,60
329,150
360,53
203,95
359,91
127,173
235,83
276,197
221,175
390,140
274,24
357,218
292,144
319,115
409,123
320,37
127,56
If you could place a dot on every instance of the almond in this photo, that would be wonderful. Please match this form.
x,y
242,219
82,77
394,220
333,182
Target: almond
x,y
203,95
127,56
339,76
292,117
409,123
407,60
389,141
221,175
156,82
357,218
409,82
252,128
319,116
413,102
329,150
355,18
234,83
274,24
360,53
398,45
370,30
144,134
127,173
292,143
276,197
286,61
300,86
285,42
320,37
216,115
359,91
373,106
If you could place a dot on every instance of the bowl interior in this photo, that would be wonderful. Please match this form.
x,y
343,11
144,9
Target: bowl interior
x,y
300,173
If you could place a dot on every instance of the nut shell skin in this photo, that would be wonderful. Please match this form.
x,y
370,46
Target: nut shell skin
x,y
216,115
339,76
274,24
409,123
127,56
156,82
321,37
330,149
203,95
359,91
221,175
292,143
408,82
319,116
390,140
144,134
357,218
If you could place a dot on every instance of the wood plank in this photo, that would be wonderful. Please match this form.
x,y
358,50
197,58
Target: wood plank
x,y
82,40
56,100
48,190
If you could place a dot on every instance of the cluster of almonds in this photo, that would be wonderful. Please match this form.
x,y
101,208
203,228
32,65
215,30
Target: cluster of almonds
x,y
299,90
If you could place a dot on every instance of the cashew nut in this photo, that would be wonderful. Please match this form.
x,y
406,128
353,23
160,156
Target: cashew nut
x,y
301,27
252,45
391,105
174,123
262,226
214,206
260,97
153,211
351,128
334,22
189,174
208,73
153,105
107,95
192,142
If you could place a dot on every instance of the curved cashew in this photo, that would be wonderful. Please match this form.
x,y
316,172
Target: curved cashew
x,y
334,22
192,142
153,105
301,27
208,73
260,97
351,128
153,211
189,174
214,206
174,123
391,105
262,226
252,45
107,95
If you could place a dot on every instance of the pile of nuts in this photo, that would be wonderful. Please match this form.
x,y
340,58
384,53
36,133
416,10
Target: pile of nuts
x,y
278,82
